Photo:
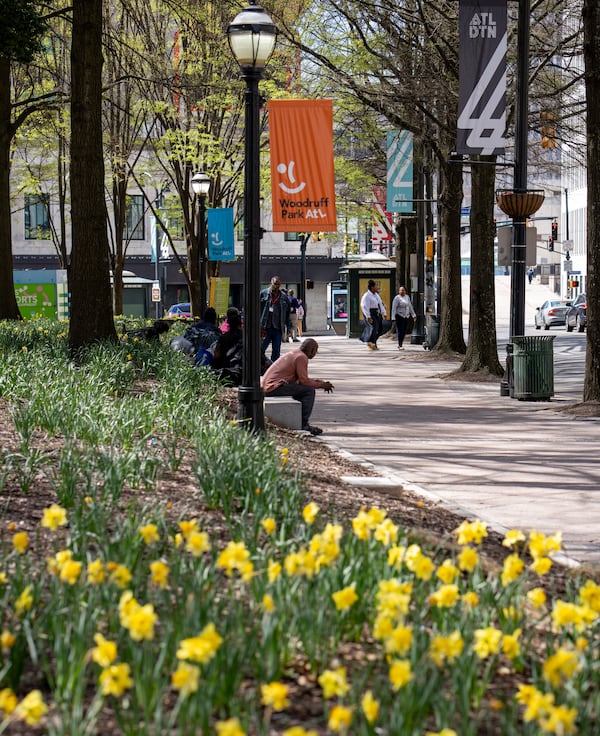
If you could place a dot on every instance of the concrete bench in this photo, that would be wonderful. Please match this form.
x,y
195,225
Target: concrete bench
x,y
284,411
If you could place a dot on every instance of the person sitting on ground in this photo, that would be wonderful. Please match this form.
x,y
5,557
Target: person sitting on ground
x,y
204,333
288,376
152,333
229,350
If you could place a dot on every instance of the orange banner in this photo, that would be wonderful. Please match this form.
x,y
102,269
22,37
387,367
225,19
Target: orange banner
x,y
302,173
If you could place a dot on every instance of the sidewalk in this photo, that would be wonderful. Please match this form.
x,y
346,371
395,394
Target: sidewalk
x,y
511,463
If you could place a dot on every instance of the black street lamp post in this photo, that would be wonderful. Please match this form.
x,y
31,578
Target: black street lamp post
x,y
252,35
201,186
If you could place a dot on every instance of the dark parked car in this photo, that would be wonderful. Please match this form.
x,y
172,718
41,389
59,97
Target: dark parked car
x,y
577,314
552,312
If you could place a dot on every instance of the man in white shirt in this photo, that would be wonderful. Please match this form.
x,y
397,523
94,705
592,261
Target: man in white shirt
x,y
373,311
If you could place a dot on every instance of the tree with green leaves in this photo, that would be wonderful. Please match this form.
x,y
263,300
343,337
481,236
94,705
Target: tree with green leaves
x,y
21,32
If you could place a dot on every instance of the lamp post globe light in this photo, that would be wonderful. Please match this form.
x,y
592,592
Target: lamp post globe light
x,y
201,185
252,35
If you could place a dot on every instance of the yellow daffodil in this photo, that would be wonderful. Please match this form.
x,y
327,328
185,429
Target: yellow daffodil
x,y
487,642
70,571
541,545
566,614
510,644
269,525
468,559
268,603
471,532
400,674
443,732
273,570
119,574
370,707
233,557
298,731
24,601
559,720
7,640
561,666
186,679
340,718
513,537
513,566
230,727
396,555
141,622
105,651
470,599
345,598
386,533
32,708
197,543
284,455
399,640
541,565
53,517
445,597
8,701
187,527
447,572
536,702
309,512
159,573
201,648
334,683
95,572
589,595
149,533
115,680
20,542
275,695
537,597
444,649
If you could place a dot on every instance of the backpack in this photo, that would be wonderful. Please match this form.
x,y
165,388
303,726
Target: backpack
x,y
206,355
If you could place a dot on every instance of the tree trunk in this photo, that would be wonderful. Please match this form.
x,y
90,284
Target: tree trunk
x,y
591,47
91,298
482,349
8,302
451,337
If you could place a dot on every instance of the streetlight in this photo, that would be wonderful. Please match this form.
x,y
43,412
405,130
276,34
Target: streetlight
x,y
201,186
252,36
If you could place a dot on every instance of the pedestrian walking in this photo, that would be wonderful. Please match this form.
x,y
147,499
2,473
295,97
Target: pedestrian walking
x,y
300,317
373,311
530,275
294,304
403,313
289,377
274,317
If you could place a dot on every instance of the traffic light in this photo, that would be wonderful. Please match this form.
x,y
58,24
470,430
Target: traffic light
x,y
554,232
310,284
429,248
547,130
550,244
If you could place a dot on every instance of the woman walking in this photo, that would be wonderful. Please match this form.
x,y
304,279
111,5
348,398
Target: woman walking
x,y
403,313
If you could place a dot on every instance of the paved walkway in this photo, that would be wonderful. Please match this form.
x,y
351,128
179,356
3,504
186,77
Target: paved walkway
x,y
511,463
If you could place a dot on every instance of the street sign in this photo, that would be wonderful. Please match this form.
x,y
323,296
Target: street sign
x,y
567,245
156,292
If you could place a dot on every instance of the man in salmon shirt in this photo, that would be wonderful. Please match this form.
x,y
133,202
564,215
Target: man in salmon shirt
x,y
288,376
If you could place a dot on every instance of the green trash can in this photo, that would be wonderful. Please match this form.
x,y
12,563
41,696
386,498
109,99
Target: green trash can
x,y
533,367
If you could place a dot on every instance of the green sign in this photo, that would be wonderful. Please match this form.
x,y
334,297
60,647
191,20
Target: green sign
x,y
36,300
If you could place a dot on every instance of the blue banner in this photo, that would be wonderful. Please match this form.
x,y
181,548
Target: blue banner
x,y
221,241
400,171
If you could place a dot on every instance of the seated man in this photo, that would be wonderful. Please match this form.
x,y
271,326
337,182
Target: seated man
x,y
288,376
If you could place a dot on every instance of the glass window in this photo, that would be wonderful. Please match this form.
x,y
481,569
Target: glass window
x,y
37,219
134,218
